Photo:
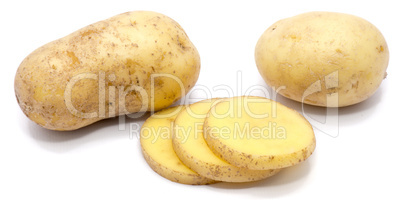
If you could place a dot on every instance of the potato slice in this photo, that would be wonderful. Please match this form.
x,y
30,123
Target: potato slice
x,y
258,133
156,144
191,148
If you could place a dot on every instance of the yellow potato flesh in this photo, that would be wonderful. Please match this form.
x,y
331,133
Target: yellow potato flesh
x,y
156,143
258,133
192,149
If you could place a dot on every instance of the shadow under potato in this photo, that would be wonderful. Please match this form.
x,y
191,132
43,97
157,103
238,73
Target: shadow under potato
x,y
330,120
284,182
107,129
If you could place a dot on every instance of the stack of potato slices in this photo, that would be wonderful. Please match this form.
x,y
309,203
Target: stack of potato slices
x,y
237,139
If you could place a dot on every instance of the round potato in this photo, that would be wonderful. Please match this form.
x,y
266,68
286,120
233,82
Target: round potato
x,y
323,58
133,62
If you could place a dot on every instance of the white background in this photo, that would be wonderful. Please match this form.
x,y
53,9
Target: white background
x,y
100,166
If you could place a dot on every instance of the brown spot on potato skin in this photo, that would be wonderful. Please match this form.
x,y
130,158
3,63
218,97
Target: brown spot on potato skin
x,y
132,65
380,49
88,33
74,59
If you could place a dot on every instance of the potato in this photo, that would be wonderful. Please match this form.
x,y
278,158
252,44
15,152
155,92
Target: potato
x,y
323,58
191,148
258,133
156,145
133,62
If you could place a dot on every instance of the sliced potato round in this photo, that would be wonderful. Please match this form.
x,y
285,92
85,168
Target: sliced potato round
x,y
191,148
156,144
258,133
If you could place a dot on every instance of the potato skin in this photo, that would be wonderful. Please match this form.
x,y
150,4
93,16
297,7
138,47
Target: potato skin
x,y
313,56
107,69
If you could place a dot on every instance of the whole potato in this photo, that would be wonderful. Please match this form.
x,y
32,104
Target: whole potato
x,y
323,58
133,62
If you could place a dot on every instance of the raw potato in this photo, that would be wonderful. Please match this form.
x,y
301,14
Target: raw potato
x,y
132,62
156,144
258,133
190,147
323,58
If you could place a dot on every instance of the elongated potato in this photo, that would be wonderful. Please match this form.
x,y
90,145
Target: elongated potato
x,y
133,62
190,147
156,144
258,133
